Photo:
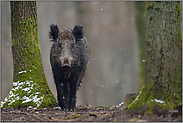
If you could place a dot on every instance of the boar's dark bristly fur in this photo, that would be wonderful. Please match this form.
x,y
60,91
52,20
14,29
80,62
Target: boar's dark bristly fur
x,y
69,56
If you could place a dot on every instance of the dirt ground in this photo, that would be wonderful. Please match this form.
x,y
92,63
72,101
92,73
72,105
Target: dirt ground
x,y
84,113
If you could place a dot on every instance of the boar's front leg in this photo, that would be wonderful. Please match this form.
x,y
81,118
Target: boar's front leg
x,y
73,87
67,94
60,91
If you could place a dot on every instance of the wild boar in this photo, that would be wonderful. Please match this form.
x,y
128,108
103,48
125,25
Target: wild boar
x,y
69,56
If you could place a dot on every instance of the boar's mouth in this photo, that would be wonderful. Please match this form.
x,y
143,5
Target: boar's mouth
x,y
66,71
66,67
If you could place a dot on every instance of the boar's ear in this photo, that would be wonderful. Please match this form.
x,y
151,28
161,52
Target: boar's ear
x,y
53,32
78,32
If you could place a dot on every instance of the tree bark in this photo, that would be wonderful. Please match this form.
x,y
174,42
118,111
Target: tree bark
x,y
162,88
30,87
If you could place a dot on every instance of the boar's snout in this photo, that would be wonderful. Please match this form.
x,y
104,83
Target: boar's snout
x,y
66,66
66,63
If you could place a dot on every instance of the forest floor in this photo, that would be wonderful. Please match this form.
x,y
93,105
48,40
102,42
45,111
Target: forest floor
x,y
84,113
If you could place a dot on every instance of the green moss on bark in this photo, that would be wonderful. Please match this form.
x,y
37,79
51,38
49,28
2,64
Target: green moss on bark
x,y
30,87
147,104
130,97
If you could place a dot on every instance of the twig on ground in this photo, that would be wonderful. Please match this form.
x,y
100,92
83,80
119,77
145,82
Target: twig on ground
x,y
41,101
38,105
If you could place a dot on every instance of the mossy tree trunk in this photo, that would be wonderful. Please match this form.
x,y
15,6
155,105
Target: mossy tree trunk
x,y
141,27
162,88
30,87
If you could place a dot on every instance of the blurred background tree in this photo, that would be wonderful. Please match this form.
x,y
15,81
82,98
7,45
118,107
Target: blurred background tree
x,y
112,70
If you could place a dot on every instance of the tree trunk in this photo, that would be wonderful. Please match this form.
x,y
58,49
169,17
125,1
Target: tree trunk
x,y
162,88
30,87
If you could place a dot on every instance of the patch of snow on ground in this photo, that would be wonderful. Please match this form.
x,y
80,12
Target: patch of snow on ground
x,y
120,104
30,107
56,107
